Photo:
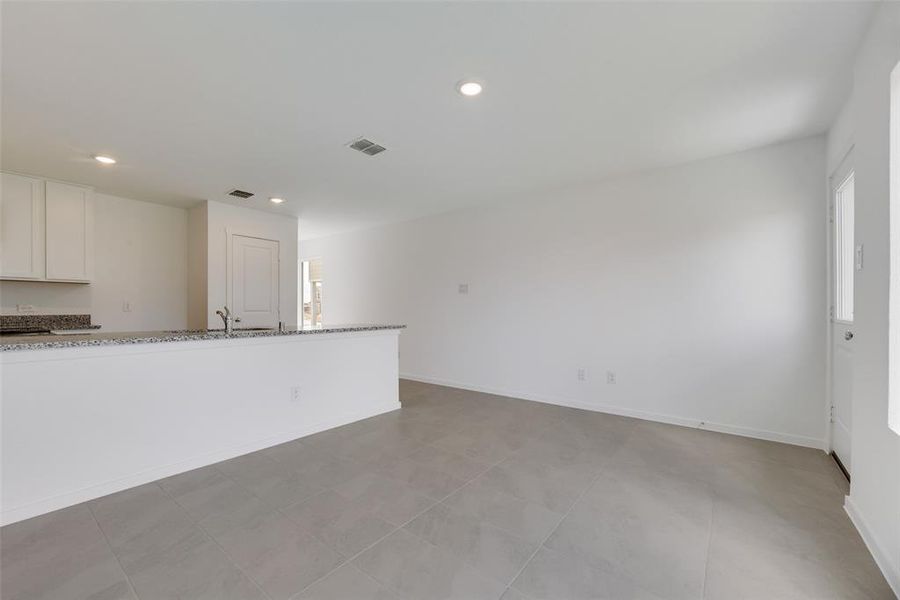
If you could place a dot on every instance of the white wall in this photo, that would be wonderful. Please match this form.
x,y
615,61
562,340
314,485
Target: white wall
x,y
140,257
701,286
874,501
198,259
839,140
223,218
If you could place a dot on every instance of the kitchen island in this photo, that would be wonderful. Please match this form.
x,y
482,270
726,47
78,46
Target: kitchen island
x,y
88,415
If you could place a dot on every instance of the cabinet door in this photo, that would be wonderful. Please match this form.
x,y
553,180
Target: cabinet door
x,y
70,239
21,227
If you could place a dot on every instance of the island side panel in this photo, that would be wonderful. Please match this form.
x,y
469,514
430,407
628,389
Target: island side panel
x,y
81,423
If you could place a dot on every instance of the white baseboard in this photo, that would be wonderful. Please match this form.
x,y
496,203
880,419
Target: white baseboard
x,y
39,507
772,436
891,571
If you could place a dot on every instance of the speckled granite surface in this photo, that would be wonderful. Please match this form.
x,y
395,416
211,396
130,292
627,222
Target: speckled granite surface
x,y
41,342
46,322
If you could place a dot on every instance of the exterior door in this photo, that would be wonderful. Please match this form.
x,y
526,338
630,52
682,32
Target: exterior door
x,y
844,262
254,285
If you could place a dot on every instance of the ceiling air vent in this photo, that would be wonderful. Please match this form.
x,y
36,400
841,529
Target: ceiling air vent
x,y
367,146
240,194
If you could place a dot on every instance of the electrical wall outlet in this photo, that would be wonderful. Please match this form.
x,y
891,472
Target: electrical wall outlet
x,y
126,306
610,378
25,308
295,393
464,288
581,375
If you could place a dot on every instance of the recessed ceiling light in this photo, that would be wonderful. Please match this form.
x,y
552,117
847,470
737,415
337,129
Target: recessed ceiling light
x,y
106,160
276,200
469,88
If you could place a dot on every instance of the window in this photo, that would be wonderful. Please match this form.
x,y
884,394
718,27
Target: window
x,y
843,251
894,249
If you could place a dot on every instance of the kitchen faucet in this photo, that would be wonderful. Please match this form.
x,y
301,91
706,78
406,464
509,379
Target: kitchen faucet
x,y
228,319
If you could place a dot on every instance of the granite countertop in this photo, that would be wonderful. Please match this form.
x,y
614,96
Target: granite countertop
x,y
10,343
46,322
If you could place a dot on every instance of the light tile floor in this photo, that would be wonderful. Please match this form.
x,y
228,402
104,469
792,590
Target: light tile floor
x,y
467,496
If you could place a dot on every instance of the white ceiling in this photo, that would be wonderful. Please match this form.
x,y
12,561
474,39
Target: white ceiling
x,y
195,98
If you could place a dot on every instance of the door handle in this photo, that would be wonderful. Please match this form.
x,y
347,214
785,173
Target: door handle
x,y
848,336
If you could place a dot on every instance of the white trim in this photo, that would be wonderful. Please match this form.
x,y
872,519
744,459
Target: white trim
x,y
772,436
882,559
829,306
229,293
893,262
839,169
33,509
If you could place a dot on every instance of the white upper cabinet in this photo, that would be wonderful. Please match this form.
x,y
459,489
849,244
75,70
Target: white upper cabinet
x,y
70,232
46,230
21,227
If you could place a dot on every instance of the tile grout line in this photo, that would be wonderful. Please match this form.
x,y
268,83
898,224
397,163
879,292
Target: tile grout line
x,y
712,516
442,502
350,560
510,456
414,422
773,462
366,575
333,455
280,512
345,561
558,523
498,463
205,533
112,551
211,538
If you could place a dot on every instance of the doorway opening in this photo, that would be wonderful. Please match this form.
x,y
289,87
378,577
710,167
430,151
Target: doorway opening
x,y
311,283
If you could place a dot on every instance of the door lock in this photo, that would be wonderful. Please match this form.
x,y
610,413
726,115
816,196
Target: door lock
x,y
848,336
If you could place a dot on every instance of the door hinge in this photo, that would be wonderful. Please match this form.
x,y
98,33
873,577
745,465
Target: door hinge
x,y
831,414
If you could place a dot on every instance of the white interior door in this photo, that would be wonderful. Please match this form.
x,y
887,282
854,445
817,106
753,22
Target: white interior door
x,y
254,281
844,264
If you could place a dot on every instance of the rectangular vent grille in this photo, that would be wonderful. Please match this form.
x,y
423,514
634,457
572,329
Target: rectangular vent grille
x,y
367,146
240,194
